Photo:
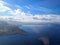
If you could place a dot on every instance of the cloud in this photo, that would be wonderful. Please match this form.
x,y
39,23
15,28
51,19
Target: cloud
x,y
3,8
27,7
21,16
36,18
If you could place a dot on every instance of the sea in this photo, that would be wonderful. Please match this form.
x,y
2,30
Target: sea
x,y
31,38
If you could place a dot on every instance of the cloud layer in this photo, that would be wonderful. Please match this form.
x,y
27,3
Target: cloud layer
x,y
21,16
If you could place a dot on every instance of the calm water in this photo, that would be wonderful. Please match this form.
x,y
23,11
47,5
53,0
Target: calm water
x,y
29,39
34,32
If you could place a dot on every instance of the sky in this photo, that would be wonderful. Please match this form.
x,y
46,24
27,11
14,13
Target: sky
x,y
31,9
36,6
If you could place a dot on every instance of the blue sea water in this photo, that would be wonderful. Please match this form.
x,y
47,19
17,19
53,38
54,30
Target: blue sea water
x,y
33,34
29,39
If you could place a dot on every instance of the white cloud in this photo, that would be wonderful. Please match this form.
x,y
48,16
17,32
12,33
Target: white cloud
x,y
19,15
39,18
3,8
27,7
